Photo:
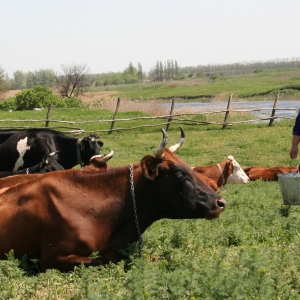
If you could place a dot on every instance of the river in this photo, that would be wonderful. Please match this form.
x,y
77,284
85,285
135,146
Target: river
x,y
216,106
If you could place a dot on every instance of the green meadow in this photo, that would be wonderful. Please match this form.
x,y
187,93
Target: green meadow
x,y
254,86
251,252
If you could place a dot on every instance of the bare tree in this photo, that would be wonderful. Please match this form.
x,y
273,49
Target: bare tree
x,y
73,81
2,82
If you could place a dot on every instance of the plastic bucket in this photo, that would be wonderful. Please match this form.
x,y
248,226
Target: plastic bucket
x,y
290,188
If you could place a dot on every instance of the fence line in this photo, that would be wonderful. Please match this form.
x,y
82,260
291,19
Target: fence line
x,y
171,118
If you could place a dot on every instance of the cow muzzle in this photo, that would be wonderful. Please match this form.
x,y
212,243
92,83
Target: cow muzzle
x,y
220,205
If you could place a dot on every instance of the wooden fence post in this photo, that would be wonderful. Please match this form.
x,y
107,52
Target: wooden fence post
x,y
48,115
274,109
114,117
171,112
227,112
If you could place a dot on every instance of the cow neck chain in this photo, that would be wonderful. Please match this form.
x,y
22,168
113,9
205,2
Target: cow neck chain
x,y
135,210
223,179
78,152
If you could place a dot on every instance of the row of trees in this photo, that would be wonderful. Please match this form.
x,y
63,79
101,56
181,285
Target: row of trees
x,y
130,75
71,82
74,79
241,68
165,71
161,72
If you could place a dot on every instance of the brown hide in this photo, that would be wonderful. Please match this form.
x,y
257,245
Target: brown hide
x,y
217,179
63,217
209,181
267,174
96,164
15,179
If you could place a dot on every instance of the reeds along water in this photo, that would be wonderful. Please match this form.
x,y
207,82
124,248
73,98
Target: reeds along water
x,y
213,111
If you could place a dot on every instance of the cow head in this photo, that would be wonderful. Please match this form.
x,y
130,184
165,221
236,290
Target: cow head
x,y
49,163
99,162
89,147
179,192
238,175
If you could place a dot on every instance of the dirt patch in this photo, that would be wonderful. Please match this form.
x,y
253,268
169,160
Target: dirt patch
x,y
10,93
92,97
89,97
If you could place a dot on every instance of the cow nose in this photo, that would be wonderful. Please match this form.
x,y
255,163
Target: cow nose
x,y
221,203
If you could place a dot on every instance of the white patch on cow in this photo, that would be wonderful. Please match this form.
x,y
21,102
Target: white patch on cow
x,y
238,175
22,147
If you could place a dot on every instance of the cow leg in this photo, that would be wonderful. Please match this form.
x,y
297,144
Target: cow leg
x,y
67,263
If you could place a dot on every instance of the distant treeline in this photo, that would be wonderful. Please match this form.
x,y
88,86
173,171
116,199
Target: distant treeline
x,y
162,71
241,68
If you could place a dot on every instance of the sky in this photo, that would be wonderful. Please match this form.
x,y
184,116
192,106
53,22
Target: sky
x,y
107,36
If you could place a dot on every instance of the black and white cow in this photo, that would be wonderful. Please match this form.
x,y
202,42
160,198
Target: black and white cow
x,y
48,164
21,149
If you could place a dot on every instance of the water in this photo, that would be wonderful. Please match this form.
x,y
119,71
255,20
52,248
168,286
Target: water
x,y
217,106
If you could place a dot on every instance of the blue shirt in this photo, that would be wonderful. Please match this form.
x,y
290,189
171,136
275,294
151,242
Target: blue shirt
x,y
296,128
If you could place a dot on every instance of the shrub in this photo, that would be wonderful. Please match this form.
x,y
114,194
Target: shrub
x,y
258,70
37,96
73,103
8,104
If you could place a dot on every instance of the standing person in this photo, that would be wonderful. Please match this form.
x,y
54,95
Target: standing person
x,y
296,137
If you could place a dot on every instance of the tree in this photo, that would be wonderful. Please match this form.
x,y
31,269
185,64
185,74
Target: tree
x,y
130,74
2,81
213,77
44,77
73,81
19,80
140,72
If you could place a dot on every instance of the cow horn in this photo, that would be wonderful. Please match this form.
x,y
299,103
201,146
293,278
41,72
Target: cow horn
x,y
108,156
53,153
159,153
175,147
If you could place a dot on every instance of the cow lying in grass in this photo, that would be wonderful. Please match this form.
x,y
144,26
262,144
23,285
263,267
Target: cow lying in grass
x,y
63,217
97,163
48,164
268,174
227,171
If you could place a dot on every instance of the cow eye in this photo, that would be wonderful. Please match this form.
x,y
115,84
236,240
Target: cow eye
x,y
181,176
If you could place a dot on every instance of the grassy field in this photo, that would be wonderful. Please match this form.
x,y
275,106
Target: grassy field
x,y
250,252
256,86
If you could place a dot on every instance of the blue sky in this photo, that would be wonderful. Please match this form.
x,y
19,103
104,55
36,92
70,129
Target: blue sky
x,y
108,35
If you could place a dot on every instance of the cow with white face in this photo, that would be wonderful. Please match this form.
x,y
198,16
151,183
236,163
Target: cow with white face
x,y
238,174
218,175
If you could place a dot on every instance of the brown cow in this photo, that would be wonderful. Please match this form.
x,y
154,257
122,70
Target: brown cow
x,y
209,181
268,174
63,217
96,163
219,174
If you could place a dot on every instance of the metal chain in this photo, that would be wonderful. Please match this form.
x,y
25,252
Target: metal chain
x,y
135,211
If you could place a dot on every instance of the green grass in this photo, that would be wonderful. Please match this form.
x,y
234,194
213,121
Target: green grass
x,y
252,144
257,86
250,252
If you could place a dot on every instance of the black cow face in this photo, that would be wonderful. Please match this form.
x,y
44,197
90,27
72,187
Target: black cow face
x,y
89,147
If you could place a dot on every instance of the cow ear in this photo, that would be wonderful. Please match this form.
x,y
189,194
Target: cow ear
x,y
100,143
44,160
149,167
